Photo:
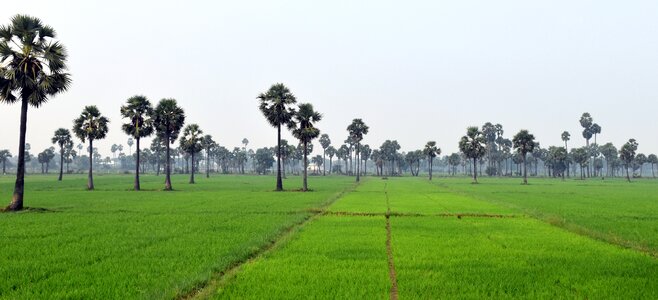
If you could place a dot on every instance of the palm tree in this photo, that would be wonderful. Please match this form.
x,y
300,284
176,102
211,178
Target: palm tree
x,y
472,145
331,151
305,131
524,143
207,143
325,142
62,137
190,142
431,151
130,143
566,136
357,129
32,69
90,125
627,155
4,157
168,119
652,159
139,112
275,106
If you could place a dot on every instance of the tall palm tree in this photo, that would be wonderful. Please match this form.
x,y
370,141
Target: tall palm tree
x,y
62,137
472,146
357,129
168,119
566,136
208,144
524,143
139,112
431,151
190,142
325,142
90,125
275,105
306,117
627,155
32,69
4,157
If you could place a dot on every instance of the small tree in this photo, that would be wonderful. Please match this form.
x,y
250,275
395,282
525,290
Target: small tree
x,y
168,119
472,146
627,155
524,143
62,137
305,131
431,151
190,142
90,125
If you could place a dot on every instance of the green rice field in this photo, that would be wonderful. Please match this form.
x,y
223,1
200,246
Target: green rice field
x,y
233,237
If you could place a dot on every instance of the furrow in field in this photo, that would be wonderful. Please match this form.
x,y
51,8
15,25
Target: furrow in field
x,y
389,251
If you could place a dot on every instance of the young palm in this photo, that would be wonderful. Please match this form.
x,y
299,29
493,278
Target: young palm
x,y
168,119
275,106
305,131
90,125
62,138
524,143
190,142
431,151
139,112
357,130
32,69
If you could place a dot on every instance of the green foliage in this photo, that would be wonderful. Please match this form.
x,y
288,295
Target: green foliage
x,y
191,140
168,120
139,111
90,125
472,144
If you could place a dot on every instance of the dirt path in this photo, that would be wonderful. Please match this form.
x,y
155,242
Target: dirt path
x,y
389,250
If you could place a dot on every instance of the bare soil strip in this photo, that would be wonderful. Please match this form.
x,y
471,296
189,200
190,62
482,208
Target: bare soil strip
x,y
399,214
205,289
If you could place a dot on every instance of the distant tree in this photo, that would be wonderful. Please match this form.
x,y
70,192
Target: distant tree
x,y
357,129
190,142
318,161
581,157
325,142
90,125
130,143
157,147
69,154
652,159
275,104
114,149
640,160
566,136
431,151
365,155
264,160
331,151
609,151
168,119
62,137
627,155
32,69
454,160
558,158
524,143
5,155
208,144
305,132
139,112
472,146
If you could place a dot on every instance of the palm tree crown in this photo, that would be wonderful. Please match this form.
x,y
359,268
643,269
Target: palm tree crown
x,y
275,104
139,111
61,137
90,124
168,119
305,118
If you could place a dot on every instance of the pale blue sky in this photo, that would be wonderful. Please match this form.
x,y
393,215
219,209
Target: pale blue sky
x,y
413,70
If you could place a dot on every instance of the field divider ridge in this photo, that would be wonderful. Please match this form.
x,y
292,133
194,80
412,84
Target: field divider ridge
x,y
389,250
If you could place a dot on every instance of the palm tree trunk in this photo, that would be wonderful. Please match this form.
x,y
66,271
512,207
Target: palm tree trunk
x,y
358,164
61,162
192,173
90,177
167,166
331,158
324,166
475,173
136,185
430,158
207,164
628,177
17,198
525,170
279,181
305,188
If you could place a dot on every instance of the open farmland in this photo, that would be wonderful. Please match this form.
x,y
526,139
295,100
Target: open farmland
x,y
233,237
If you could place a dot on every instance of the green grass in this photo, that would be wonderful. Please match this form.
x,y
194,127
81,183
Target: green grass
x,y
116,243
335,257
612,210
450,239
439,258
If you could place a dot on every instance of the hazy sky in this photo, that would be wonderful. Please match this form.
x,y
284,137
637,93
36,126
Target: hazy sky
x,y
413,70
